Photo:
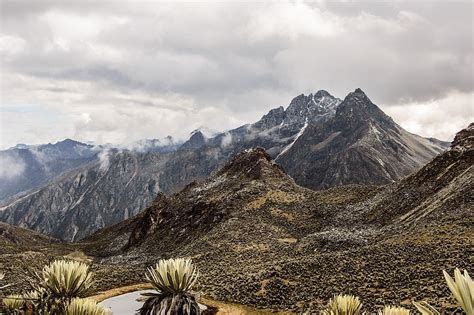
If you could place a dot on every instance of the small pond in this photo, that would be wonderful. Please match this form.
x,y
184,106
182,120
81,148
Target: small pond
x,y
126,304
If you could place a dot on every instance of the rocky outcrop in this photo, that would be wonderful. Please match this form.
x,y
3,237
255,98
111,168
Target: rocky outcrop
x,y
359,145
273,132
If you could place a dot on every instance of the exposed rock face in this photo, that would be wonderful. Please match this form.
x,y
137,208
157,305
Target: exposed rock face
x,y
86,199
196,160
321,142
359,145
30,167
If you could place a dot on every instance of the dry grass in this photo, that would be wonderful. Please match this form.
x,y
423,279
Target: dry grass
x,y
275,196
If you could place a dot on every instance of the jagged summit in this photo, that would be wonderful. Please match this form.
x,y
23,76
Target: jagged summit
x,y
196,141
253,163
357,107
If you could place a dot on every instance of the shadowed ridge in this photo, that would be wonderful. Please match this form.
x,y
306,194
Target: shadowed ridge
x,y
254,164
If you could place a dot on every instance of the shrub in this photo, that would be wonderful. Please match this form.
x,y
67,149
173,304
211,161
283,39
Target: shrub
x,y
392,310
86,307
172,279
462,288
60,282
425,309
14,303
343,305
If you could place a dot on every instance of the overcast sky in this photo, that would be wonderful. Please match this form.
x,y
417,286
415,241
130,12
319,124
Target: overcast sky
x,y
118,71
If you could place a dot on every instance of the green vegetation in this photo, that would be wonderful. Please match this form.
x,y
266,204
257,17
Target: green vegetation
x,y
14,303
56,287
462,288
64,280
393,310
343,305
62,286
86,307
172,279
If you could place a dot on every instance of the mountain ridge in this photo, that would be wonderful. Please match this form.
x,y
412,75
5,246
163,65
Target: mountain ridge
x,y
320,140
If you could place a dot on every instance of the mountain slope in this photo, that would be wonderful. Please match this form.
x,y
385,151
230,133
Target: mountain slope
x,y
259,239
442,191
25,167
359,145
100,194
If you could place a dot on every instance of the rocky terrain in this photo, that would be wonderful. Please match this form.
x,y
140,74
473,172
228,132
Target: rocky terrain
x,y
262,240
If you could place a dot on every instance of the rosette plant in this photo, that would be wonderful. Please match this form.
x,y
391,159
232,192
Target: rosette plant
x,y
172,281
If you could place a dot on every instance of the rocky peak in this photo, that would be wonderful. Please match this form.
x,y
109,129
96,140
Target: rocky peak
x,y
273,118
303,108
358,108
322,93
253,164
196,141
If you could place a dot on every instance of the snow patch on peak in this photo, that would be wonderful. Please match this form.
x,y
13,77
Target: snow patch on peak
x,y
288,147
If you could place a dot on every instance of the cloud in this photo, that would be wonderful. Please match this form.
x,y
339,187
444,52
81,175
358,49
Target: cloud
x,y
11,167
436,118
118,72
226,140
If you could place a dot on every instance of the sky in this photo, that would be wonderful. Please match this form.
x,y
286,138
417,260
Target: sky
x,y
119,71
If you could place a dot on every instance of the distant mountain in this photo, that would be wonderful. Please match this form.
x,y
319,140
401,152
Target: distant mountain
x,y
360,144
200,156
105,191
320,140
25,167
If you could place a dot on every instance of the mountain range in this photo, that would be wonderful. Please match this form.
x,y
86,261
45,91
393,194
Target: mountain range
x,y
319,140
260,239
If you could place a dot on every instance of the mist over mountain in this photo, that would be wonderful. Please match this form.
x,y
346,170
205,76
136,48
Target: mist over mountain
x,y
320,141
24,167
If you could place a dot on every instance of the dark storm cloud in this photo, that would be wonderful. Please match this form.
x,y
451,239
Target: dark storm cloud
x,y
184,63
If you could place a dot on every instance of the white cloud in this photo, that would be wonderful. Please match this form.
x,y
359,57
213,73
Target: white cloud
x,y
10,167
291,20
117,72
226,140
440,118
